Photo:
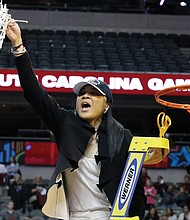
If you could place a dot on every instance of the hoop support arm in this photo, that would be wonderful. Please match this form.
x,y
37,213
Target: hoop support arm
x,y
156,148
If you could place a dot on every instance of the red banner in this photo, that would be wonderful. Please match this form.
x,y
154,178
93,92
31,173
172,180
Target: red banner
x,y
119,82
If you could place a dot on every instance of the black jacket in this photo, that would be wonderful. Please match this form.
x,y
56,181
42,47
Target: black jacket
x,y
72,135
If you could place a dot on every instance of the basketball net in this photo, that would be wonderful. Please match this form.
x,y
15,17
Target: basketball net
x,y
4,16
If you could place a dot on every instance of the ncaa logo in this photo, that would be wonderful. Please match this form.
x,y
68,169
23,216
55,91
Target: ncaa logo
x,y
94,82
128,182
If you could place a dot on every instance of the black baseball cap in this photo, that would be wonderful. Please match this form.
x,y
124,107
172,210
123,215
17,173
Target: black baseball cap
x,y
101,86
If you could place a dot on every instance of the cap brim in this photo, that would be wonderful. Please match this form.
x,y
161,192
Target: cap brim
x,y
80,85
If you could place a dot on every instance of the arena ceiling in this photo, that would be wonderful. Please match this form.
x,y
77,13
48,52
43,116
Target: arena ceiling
x,y
176,7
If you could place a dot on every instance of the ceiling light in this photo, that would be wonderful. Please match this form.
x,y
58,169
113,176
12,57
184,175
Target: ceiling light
x,y
183,4
162,2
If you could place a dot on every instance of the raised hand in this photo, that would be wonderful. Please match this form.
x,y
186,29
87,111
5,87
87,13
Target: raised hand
x,y
13,32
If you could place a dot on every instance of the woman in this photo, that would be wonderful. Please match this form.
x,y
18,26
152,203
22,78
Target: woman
x,y
185,214
171,214
38,192
150,193
12,169
93,146
152,214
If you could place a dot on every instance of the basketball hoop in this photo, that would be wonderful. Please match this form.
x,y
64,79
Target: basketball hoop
x,y
172,104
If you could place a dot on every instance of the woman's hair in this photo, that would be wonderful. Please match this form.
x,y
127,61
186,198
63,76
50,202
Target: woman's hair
x,y
154,209
13,159
115,135
171,211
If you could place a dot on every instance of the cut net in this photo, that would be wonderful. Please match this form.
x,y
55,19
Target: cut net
x,y
3,22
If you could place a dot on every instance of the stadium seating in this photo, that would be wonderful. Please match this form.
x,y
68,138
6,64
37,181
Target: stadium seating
x,y
97,50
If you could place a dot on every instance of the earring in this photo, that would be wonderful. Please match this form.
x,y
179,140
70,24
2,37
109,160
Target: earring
x,y
106,109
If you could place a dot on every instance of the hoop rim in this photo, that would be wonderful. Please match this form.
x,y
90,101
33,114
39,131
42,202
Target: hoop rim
x,y
166,91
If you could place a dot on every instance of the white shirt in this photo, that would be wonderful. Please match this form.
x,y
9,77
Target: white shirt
x,y
173,217
81,185
181,216
3,168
